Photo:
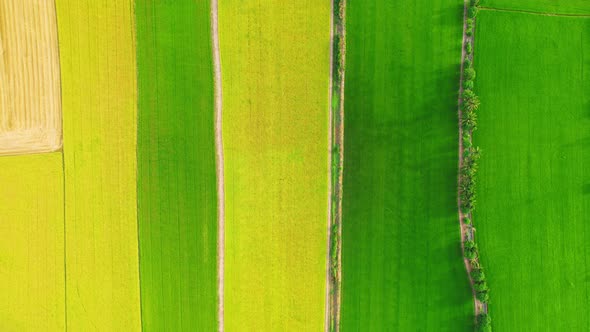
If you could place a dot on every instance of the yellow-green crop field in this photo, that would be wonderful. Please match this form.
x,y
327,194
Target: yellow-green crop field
x,y
32,245
99,100
308,165
275,68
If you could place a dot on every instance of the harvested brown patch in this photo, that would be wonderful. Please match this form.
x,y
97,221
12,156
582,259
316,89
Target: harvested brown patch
x,y
30,101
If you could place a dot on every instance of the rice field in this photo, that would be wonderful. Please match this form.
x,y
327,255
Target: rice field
x,y
176,165
177,197
32,249
99,105
401,259
275,65
534,184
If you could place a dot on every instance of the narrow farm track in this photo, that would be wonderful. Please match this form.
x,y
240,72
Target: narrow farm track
x,y
335,152
338,131
464,228
219,163
532,12
340,142
329,283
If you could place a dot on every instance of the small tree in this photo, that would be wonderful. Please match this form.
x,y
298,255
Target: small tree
x,y
483,296
484,323
467,63
481,287
469,120
472,104
467,141
477,275
469,74
468,93
468,84
470,254
470,24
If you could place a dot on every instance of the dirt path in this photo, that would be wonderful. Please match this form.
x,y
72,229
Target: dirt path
x,y
328,307
340,136
338,31
531,12
465,229
219,164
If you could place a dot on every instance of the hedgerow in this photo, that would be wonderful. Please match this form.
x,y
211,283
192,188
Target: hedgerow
x,y
469,106
484,323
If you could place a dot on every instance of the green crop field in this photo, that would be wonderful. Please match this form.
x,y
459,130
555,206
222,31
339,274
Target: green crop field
x,y
304,165
534,180
177,197
573,7
275,62
401,259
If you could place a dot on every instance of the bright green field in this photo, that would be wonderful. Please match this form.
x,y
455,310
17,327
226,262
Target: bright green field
x,y
402,264
575,7
534,181
177,199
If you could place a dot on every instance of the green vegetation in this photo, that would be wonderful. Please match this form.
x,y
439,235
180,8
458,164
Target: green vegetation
x,y
532,225
401,263
574,7
177,199
275,76
338,63
484,323
469,105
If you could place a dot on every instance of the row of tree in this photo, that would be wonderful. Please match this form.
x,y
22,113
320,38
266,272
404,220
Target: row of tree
x,y
482,291
484,323
469,165
469,106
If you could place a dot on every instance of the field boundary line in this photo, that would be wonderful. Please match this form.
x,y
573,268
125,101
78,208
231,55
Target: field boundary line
x,y
464,228
219,164
468,104
532,12
133,15
327,304
63,171
336,160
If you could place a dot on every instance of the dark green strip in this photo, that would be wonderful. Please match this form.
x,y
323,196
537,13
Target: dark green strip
x,y
401,255
176,166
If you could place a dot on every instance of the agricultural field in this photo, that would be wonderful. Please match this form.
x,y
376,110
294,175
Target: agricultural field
x,y
177,196
570,7
99,104
532,224
315,165
30,102
32,249
275,63
401,260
